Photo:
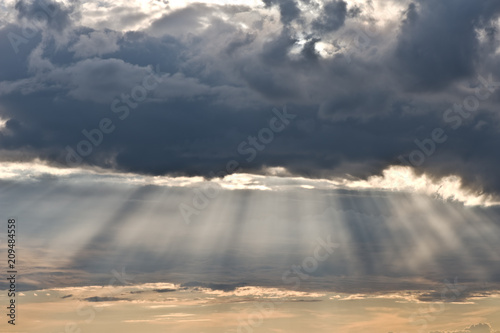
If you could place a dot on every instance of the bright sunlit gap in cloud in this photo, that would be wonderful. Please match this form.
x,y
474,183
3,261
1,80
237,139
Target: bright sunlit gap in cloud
x,y
252,3
398,178
3,122
394,179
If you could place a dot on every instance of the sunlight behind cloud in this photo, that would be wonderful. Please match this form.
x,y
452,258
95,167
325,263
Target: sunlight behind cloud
x,y
394,179
398,178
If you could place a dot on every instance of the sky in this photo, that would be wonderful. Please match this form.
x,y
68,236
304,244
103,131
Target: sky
x,y
251,166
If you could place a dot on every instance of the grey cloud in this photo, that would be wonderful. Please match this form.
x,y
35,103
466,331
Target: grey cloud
x,y
40,11
181,21
354,104
96,43
275,51
191,19
438,43
13,66
333,16
289,9
100,80
309,50
127,16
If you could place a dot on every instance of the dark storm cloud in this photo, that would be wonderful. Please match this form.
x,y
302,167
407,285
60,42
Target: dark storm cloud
x,y
12,66
289,9
333,16
438,42
52,12
275,51
357,111
309,50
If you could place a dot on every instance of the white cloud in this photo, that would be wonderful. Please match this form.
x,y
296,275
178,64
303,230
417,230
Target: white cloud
x,y
398,178
393,179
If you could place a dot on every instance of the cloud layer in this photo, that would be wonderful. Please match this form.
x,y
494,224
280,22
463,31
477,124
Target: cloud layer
x,y
180,87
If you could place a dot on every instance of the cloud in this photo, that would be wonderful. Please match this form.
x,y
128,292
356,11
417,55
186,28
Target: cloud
x,y
181,21
164,290
97,43
477,328
365,82
213,286
394,179
384,243
53,13
333,16
289,9
104,299
436,52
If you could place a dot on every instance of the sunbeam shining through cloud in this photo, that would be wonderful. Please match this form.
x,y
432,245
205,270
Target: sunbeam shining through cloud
x,y
250,166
